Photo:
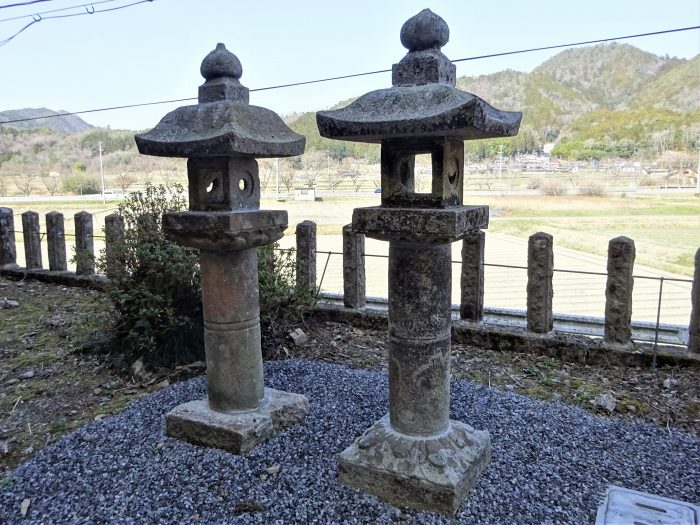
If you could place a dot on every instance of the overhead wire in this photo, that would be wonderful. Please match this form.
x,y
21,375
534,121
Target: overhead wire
x,y
21,4
354,75
89,10
42,13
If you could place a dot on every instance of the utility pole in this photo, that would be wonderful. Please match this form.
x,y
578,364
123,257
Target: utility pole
x,y
697,175
102,172
278,177
500,169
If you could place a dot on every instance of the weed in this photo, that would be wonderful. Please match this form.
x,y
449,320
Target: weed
x,y
6,482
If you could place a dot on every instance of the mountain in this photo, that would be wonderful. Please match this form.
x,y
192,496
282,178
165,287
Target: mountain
x,y
580,81
66,124
676,90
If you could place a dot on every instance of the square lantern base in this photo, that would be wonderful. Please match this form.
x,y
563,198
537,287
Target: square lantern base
x,y
236,432
421,225
434,473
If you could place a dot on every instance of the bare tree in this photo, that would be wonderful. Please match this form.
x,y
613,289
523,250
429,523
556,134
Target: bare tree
x,y
313,162
124,180
24,181
51,182
287,176
355,177
265,170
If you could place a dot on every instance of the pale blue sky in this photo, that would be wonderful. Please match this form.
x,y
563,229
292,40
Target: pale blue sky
x,y
152,51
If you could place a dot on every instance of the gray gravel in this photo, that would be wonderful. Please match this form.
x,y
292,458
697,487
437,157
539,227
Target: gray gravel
x,y
551,462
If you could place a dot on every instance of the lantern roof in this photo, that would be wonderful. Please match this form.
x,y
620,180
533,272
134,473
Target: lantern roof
x,y
223,124
423,101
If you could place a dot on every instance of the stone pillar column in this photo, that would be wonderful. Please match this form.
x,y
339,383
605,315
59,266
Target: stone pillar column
x,y
232,329
694,326
32,240
114,235
471,306
354,295
306,254
84,245
8,249
618,292
540,272
56,240
420,321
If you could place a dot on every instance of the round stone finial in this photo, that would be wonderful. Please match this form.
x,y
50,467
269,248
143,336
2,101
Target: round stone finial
x,y
221,63
426,30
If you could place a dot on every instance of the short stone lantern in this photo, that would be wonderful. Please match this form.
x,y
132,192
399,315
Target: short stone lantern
x,y
416,456
222,136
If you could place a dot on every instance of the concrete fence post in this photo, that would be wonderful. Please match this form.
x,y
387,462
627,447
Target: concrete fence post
x,y
354,291
56,241
618,292
694,327
471,306
114,234
306,254
32,240
8,249
84,244
540,274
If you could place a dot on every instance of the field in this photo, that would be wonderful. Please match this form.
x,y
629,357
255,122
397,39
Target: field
x,y
664,226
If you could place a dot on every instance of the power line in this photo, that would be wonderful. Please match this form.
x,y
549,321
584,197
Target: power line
x,y
328,79
41,13
89,10
599,41
30,2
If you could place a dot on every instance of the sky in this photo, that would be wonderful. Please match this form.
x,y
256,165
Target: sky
x,y
152,51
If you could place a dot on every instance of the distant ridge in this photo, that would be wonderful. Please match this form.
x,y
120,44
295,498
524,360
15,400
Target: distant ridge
x,y
66,124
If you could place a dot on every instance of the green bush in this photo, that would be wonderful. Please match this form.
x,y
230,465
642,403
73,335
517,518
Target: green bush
x,y
283,303
155,284
155,288
80,183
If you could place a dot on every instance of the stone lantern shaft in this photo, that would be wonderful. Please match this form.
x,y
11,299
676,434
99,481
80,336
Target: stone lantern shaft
x,y
221,136
415,455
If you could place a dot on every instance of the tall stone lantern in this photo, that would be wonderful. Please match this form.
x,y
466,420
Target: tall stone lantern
x,y
221,137
415,455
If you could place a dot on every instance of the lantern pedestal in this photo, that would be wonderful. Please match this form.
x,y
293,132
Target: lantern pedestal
x,y
236,431
432,473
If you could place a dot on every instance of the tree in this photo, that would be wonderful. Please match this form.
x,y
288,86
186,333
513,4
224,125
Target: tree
x,y
51,182
124,180
353,173
313,162
287,176
24,181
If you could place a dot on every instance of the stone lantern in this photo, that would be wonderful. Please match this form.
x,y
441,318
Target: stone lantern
x,y
221,137
415,455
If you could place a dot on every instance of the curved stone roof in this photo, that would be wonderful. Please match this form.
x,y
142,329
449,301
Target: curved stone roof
x,y
223,128
425,110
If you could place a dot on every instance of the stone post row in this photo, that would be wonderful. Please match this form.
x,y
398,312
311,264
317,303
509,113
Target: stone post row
x,y
114,234
540,271
8,249
471,306
694,327
56,241
84,245
618,292
306,254
354,283
32,240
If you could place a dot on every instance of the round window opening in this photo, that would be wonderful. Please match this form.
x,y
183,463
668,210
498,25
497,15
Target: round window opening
x,y
245,184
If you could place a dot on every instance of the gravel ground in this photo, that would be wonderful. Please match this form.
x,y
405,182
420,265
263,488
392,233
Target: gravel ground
x,y
551,462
